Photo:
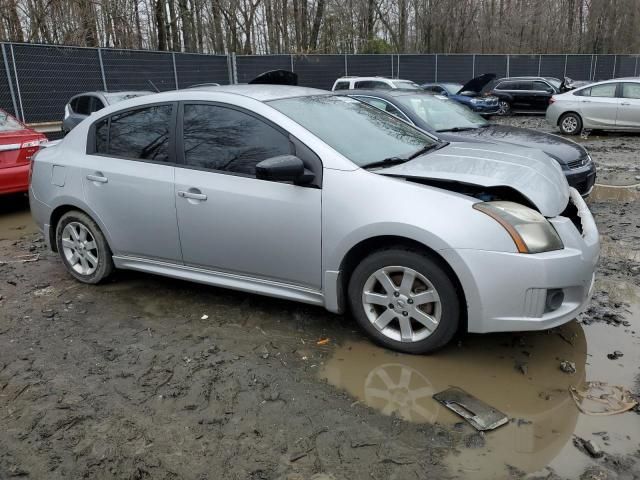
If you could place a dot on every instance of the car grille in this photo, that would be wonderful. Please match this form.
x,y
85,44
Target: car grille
x,y
581,162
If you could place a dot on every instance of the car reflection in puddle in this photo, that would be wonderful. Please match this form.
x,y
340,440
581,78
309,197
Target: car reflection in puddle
x,y
517,374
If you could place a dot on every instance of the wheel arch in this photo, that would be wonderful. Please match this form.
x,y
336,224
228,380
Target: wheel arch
x,y
64,207
372,244
562,115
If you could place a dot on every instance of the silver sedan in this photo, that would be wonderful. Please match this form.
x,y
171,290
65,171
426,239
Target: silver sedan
x,y
609,105
301,194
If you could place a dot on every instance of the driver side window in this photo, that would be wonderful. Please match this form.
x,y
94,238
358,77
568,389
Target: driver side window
x,y
229,140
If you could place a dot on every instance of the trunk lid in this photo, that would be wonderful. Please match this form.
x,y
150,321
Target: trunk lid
x,y
529,171
18,146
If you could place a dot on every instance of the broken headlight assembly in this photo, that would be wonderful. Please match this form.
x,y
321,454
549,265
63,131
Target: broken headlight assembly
x,y
530,231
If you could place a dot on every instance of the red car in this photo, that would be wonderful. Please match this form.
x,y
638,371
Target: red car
x,y
18,144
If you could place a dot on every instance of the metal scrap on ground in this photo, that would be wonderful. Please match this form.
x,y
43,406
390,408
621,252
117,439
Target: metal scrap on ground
x,y
480,415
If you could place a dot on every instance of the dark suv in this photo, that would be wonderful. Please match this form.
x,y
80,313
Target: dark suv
x,y
523,94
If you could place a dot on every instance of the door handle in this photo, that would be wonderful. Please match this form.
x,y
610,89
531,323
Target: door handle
x,y
192,195
586,101
97,177
626,103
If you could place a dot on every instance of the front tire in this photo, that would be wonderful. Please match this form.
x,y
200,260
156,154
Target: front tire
x,y
570,124
83,248
504,108
404,300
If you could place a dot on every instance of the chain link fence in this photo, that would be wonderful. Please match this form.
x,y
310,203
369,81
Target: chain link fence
x,y
36,81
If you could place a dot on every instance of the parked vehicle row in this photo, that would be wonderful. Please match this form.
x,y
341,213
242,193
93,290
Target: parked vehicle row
x,y
321,198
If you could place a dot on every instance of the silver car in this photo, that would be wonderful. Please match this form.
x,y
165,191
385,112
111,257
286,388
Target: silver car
x,y
84,104
608,105
305,195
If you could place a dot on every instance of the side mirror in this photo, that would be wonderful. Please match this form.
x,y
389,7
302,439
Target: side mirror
x,y
284,168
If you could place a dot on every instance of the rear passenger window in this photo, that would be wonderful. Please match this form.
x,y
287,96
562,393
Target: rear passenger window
x,y
342,86
372,84
630,90
82,105
228,140
141,134
604,90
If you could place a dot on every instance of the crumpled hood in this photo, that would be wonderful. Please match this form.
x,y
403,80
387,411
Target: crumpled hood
x,y
563,150
529,171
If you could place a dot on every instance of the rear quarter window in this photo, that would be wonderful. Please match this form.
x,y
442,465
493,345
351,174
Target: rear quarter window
x,y
341,86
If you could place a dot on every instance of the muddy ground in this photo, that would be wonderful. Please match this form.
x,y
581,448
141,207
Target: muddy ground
x,y
146,377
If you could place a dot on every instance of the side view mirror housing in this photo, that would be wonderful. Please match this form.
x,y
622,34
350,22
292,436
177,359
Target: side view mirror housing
x,y
284,168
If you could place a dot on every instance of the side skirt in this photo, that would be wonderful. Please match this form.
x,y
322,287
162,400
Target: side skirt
x,y
233,281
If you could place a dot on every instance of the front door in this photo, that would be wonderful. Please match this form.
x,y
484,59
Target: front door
x,y
629,109
128,182
600,108
230,221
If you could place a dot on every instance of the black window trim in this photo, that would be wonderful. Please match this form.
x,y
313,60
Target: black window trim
x,y
315,163
171,150
620,89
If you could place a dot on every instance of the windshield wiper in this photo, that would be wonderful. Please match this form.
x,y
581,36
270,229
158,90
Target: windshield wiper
x,y
456,129
387,162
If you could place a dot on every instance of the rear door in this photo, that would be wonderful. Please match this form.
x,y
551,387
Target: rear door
x,y
229,220
541,93
629,108
128,180
600,107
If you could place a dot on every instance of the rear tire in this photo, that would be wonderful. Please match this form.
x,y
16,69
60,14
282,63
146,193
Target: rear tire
x,y
570,124
83,248
404,300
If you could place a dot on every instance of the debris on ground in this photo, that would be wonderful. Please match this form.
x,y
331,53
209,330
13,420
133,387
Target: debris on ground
x,y
615,355
599,398
588,446
568,367
480,415
323,341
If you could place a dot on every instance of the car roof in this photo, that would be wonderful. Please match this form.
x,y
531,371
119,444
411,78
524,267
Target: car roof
x,y
125,92
263,92
397,92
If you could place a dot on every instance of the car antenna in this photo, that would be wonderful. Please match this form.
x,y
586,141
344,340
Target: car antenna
x,y
154,86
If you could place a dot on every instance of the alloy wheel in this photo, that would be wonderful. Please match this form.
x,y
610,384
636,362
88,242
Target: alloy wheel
x,y
503,107
401,303
570,124
80,248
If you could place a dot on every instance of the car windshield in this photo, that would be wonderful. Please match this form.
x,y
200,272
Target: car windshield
x,y
406,84
441,114
555,82
362,133
452,88
8,123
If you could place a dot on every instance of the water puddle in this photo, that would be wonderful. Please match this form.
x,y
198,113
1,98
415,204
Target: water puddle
x,y
613,193
15,218
519,375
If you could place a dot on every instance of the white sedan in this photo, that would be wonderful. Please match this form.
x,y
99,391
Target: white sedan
x,y
608,105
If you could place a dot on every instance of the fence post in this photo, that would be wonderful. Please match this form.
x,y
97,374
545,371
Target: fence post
x,y
15,74
104,78
635,69
392,66
565,66
436,79
595,67
6,69
539,64
346,66
473,68
234,67
291,59
508,65
175,70
615,60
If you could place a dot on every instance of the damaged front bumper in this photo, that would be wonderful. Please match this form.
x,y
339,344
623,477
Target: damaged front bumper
x,y
515,292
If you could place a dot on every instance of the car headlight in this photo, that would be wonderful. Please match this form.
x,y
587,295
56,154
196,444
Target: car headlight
x,y
474,100
530,231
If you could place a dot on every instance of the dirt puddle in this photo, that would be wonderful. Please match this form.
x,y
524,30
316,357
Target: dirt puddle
x,y
518,374
15,218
